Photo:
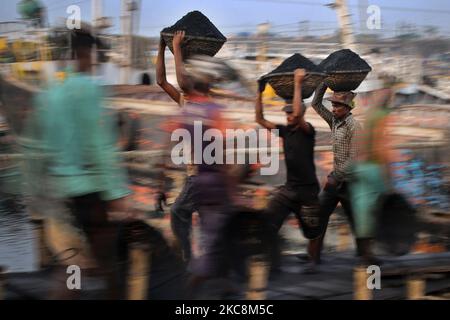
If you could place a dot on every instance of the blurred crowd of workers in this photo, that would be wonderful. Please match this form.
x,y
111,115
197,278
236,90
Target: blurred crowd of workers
x,y
88,189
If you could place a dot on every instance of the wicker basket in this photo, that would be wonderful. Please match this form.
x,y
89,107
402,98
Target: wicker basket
x,y
283,84
196,45
345,80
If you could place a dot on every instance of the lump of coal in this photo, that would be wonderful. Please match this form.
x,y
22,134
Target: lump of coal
x,y
344,60
297,61
196,24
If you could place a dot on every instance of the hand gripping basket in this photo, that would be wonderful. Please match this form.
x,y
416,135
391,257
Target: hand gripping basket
x,y
193,45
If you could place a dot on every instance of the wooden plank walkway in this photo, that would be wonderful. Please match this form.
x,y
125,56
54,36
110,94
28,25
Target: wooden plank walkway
x,y
333,281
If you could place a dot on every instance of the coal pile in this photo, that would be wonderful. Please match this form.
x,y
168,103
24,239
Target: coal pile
x,y
282,78
297,61
345,70
344,60
195,24
202,37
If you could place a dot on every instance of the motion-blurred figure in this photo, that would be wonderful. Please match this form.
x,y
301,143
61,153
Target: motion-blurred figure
x,y
211,186
195,85
182,210
81,174
371,173
381,213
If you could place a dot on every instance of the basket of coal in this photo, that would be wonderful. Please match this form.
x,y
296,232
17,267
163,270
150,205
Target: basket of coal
x,y
201,38
282,78
345,70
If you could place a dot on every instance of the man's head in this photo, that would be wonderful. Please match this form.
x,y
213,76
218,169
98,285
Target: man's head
x,y
342,103
82,44
291,120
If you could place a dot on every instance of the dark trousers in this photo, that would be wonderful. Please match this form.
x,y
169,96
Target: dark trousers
x,y
330,197
215,211
91,216
181,217
303,201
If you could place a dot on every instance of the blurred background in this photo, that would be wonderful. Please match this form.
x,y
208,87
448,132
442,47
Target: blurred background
x,y
406,42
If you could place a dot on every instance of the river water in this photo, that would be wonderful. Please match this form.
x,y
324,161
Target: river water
x,y
17,245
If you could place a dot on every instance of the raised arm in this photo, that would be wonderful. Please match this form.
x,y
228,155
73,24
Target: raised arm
x,y
299,106
161,74
259,108
317,104
183,81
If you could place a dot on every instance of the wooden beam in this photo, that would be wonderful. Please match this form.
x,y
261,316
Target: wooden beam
x,y
415,288
258,277
139,272
361,290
